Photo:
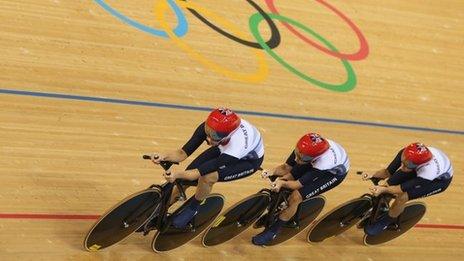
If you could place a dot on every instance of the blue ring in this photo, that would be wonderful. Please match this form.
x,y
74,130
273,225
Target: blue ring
x,y
180,30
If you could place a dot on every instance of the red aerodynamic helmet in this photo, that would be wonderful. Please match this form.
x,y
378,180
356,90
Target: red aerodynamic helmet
x,y
416,154
221,123
311,146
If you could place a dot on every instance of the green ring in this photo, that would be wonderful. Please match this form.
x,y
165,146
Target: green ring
x,y
344,87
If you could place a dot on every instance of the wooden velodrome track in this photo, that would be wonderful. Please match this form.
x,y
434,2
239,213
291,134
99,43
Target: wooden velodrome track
x,y
72,76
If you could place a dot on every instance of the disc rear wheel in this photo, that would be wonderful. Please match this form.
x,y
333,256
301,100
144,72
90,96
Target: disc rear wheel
x,y
172,238
412,214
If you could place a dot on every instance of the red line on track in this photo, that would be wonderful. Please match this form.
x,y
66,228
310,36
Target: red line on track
x,y
47,216
442,226
93,217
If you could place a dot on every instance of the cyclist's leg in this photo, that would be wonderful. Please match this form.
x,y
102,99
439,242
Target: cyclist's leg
x,y
432,188
323,182
420,191
399,203
293,201
205,183
208,154
241,169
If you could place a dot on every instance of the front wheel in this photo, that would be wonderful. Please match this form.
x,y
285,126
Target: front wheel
x,y
339,219
236,219
123,219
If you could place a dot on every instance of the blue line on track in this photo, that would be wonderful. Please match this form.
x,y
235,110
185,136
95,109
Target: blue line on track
x,y
199,108
180,30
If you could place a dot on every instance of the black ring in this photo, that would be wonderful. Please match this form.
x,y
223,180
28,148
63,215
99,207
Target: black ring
x,y
275,34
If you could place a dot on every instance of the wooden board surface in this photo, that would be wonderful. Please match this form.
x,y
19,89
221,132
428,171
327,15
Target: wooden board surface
x,y
78,153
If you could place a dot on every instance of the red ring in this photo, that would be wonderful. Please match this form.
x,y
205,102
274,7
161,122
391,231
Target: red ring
x,y
359,55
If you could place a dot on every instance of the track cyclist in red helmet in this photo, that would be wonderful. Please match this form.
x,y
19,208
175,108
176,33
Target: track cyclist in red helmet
x,y
314,167
236,151
417,171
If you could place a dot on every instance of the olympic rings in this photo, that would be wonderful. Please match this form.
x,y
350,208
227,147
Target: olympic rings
x,y
180,30
275,34
346,86
254,77
359,55
236,35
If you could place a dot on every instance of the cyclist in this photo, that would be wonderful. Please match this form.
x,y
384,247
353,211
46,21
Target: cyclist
x,y
236,151
315,166
417,171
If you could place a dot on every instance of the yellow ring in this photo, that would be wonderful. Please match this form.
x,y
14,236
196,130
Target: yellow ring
x,y
258,76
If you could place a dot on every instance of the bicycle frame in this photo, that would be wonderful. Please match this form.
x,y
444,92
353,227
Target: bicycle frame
x,y
277,198
380,204
161,223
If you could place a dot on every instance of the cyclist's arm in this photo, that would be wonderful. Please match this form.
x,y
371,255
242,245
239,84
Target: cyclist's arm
x,y
175,156
287,176
198,137
395,164
282,170
291,162
396,189
392,168
292,184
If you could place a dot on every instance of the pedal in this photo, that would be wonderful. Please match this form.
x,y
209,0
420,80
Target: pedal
x,y
395,226
292,224
191,227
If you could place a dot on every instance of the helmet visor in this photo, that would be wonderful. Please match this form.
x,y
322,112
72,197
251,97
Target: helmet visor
x,y
407,163
301,157
214,135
